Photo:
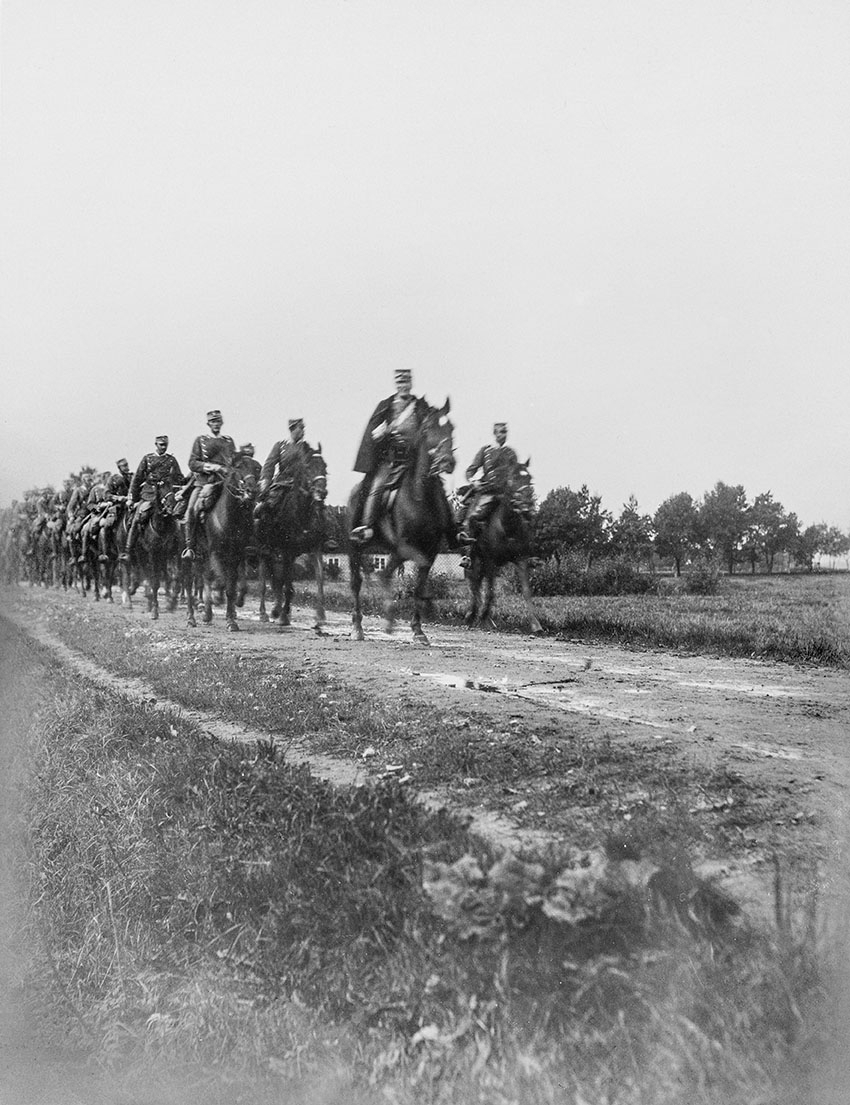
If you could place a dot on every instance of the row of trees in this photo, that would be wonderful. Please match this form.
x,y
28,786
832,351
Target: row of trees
x,y
724,526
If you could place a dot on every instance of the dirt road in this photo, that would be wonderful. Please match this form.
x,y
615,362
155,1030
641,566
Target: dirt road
x,y
782,729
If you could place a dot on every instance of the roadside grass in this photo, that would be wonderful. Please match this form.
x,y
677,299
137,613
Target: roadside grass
x,y
611,786
796,618
215,908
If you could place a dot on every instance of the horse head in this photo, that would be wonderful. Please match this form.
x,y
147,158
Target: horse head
x,y
437,437
317,471
521,490
239,479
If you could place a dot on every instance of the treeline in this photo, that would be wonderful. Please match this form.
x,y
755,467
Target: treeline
x,y
724,527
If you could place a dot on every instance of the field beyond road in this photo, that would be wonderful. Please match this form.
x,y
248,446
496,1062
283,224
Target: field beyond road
x,y
557,747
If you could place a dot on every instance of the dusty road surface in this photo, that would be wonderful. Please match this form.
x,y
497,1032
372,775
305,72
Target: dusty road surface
x,y
783,729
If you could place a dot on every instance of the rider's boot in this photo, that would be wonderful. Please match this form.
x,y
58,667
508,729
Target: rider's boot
x,y
101,544
191,525
366,531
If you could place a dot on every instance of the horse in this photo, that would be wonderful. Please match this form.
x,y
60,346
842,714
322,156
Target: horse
x,y
154,555
289,527
505,538
414,523
223,535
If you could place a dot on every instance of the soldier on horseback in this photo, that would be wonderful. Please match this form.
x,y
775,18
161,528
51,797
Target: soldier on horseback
x,y
117,487
157,473
250,466
385,452
286,457
96,505
496,463
212,454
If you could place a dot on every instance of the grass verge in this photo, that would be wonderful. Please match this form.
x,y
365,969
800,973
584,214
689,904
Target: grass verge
x,y
789,618
217,907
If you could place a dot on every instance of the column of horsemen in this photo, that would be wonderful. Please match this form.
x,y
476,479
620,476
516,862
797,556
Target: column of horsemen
x,y
91,526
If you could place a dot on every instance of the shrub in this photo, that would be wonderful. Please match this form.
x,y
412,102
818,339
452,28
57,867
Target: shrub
x,y
703,578
609,576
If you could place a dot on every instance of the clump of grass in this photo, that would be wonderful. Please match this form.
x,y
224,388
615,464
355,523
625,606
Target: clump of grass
x,y
214,905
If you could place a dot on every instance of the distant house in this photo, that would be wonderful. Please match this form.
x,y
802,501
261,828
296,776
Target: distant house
x,y
446,563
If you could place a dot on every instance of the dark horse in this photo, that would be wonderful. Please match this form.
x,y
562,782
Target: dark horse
x,y
293,524
223,535
505,538
414,524
154,556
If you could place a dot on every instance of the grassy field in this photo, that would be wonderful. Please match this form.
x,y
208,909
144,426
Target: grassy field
x,y
213,909
796,618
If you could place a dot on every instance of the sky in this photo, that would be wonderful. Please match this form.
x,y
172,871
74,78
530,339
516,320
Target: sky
x,y
622,227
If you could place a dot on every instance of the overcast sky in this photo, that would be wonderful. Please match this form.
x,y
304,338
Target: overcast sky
x,y
622,227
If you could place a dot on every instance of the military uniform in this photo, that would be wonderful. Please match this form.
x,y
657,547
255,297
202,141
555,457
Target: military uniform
x,y
209,452
157,474
497,464
117,487
385,452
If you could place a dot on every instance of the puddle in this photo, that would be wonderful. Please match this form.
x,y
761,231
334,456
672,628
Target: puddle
x,y
772,753
556,694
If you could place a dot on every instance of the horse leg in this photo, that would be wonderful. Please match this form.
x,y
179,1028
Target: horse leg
x,y
525,587
420,597
261,572
488,591
208,596
187,568
475,578
355,583
153,600
320,589
231,587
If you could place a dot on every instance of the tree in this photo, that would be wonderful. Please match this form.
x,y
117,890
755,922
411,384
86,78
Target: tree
x,y
833,543
723,519
631,534
809,542
769,530
675,524
569,521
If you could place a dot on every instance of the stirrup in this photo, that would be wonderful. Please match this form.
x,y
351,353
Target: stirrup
x,y
125,556
187,554
465,538
361,534
102,557
465,562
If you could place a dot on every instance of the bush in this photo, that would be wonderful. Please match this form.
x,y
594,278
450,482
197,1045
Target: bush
x,y
609,576
440,585
703,578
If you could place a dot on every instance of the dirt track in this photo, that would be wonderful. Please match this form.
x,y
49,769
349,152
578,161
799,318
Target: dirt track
x,y
782,728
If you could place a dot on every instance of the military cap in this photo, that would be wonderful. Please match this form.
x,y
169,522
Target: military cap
x,y
214,414
161,437
123,460
293,422
402,375
499,426
249,449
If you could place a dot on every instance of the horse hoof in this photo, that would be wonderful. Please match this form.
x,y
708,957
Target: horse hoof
x,y
421,640
264,617
233,627
190,622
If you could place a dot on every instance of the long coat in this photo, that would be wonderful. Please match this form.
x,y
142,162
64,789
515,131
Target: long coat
x,y
371,452
282,456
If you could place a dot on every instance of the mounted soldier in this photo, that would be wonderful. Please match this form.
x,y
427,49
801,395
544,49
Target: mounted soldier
x,y
284,461
497,464
211,457
117,487
385,452
157,475
96,506
250,466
